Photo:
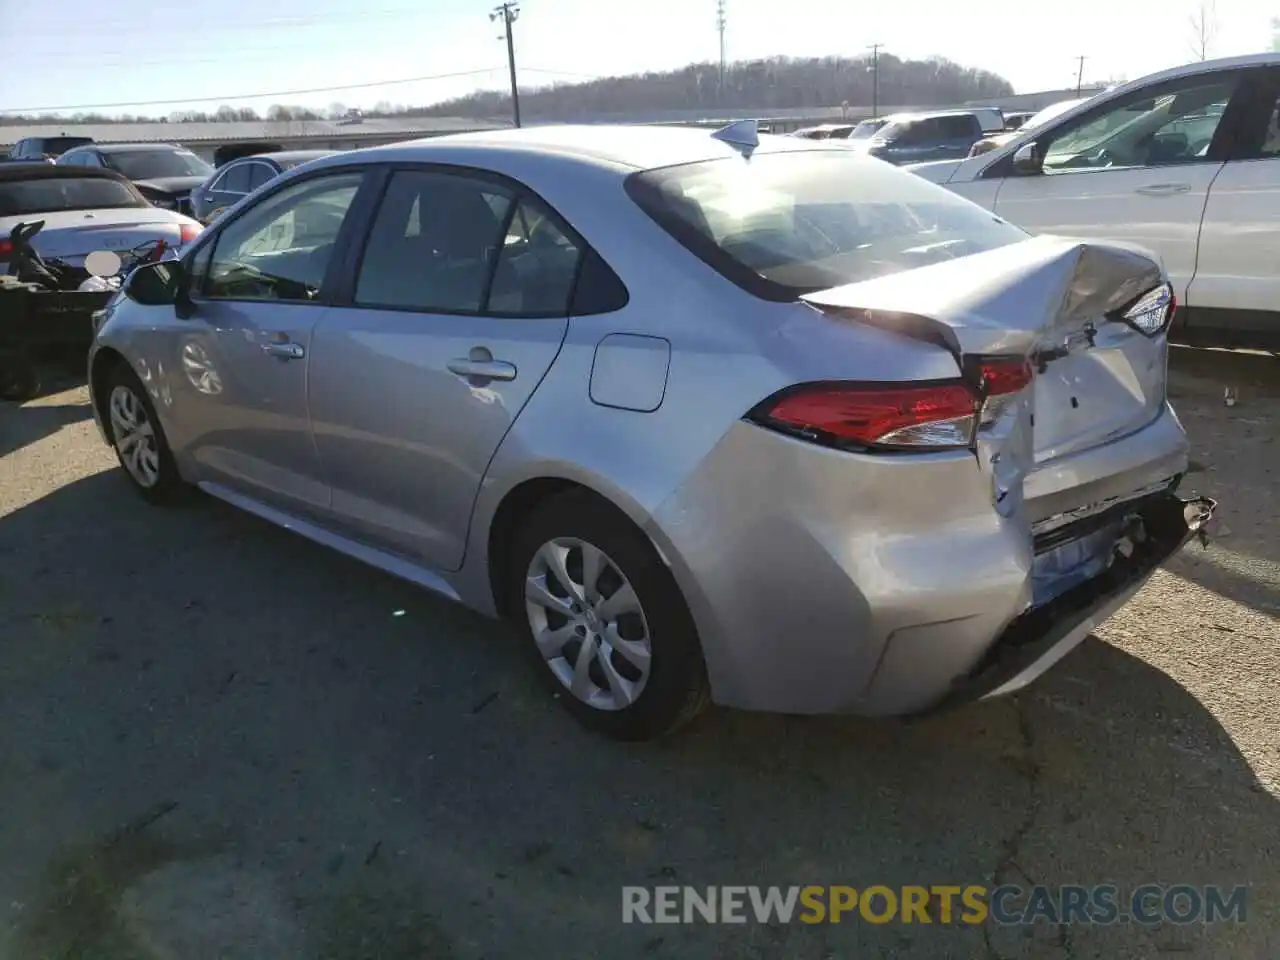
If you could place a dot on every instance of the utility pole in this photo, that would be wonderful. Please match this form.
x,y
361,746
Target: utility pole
x,y
875,79
1080,75
722,21
509,11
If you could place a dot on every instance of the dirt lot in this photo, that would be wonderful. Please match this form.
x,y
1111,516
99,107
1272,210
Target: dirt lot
x,y
218,740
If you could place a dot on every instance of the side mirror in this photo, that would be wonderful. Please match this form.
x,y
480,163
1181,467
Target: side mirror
x,y
156,284
1027,161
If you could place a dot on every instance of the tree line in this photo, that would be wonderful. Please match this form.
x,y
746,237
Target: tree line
x,y
774,83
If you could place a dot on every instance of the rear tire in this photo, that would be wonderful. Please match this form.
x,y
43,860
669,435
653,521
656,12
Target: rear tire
x,y
139,441
603,620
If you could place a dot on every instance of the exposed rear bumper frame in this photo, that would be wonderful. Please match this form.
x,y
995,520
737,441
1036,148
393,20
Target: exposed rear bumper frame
x,y
1039,637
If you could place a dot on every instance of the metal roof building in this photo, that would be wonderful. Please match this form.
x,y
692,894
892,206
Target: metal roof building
x,y
204,138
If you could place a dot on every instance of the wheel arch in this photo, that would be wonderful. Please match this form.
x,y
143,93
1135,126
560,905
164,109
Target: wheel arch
x,y
522,499
104,361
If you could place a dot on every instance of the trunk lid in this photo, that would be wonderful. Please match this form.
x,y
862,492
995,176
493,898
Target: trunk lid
x,y
72,235
1048,298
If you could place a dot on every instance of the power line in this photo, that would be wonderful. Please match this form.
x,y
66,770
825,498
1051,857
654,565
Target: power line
x,y
245,96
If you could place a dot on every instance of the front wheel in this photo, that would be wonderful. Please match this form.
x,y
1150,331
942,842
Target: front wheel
x,y
604,620
139,440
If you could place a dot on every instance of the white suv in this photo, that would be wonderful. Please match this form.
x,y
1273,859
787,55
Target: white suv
x,y
1185,162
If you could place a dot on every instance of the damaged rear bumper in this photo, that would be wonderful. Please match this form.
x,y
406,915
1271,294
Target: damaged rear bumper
x,y
1041,636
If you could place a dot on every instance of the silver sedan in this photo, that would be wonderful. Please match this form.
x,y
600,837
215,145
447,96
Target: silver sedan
x,y
709,416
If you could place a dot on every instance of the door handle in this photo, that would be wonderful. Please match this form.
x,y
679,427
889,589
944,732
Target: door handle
x,y
1164,189
482,369
285,351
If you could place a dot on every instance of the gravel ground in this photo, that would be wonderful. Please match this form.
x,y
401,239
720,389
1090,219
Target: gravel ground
x,y
220,741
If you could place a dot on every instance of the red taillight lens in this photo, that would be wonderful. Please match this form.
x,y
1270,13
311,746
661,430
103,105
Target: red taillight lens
x,y
6,249
915,416
189,231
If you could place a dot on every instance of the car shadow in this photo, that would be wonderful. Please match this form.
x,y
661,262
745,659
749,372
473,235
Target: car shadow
x,y
28,423
1228,402
392,765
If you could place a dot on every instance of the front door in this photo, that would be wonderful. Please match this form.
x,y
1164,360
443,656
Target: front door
x,y
458,309
259,292
1136,169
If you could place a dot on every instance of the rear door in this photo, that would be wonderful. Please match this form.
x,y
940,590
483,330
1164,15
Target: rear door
x,y
1236,289
1137,168
456,310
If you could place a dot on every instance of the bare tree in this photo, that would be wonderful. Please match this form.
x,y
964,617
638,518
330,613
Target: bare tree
x,y
1204,27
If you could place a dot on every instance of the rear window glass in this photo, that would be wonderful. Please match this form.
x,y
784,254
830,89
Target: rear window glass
x,y
60,145
785,224
64,193
150,164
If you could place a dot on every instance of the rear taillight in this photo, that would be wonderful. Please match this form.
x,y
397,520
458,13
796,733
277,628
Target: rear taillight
x,y
6,249
939,415
1151,312
188,232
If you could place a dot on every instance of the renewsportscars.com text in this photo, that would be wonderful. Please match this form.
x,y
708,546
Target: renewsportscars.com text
x,y
971,904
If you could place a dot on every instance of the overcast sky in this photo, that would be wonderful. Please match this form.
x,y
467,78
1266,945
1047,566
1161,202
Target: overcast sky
x,y
57,53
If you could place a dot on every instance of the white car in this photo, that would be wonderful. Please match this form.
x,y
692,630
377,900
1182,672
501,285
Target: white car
x,y
1185,163
82,210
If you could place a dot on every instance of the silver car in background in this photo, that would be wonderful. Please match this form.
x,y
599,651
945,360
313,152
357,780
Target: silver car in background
x,y
707,416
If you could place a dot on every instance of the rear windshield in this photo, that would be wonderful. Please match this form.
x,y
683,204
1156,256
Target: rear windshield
x,y
785,224
151,164
52,194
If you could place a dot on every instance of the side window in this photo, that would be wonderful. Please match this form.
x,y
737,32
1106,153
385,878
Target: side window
x,y
433,243
89,159
1172,123
71,160
927,131
280,248
259,173
536,267
235,179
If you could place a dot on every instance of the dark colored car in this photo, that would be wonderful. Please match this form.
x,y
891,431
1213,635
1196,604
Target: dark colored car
x,y
164,173
234,151
43,148
925,137
239,178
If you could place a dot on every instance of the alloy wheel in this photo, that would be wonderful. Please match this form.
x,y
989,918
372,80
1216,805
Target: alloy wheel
x,y
588,623
135,437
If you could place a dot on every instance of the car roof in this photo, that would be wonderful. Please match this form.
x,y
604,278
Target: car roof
x,y
604,145
19,170
131,147
286,155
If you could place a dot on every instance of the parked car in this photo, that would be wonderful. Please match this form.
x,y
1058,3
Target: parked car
x,y
987,144
234,151
706,415
82,210
862,130
43,148
919,137
1015,119
239,178
163,172
1185,162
